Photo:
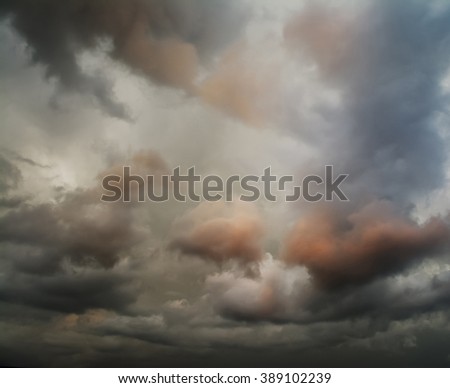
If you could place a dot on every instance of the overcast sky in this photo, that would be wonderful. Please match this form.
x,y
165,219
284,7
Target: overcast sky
x,y
230,87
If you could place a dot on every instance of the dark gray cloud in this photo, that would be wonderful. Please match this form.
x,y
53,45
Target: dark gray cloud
x,y
9,175
363,283
387,62
163,40
10,178
59,265
399,64
72,229
69,291
280,295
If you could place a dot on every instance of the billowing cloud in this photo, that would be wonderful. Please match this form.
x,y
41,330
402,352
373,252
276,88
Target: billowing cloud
x,y
220,231
372,242
163,40
387,97
145,166
10,176
243,86
323,33
230,88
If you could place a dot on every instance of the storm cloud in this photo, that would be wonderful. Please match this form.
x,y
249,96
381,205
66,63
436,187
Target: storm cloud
x,y
230,88
162,40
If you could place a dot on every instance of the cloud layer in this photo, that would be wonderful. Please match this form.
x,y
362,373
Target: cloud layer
x,y
230,88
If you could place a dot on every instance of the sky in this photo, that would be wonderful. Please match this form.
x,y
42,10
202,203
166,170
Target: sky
x,y
229,87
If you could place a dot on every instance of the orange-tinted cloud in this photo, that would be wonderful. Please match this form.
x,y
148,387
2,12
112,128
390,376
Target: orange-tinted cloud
x,y
219,232
169,61
322,33
145,38
242,86
339,251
